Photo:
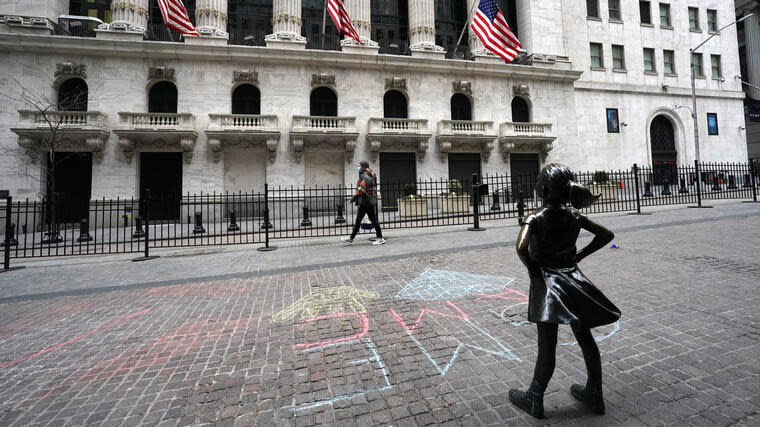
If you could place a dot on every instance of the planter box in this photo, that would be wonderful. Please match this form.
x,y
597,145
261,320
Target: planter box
x,y
410,208
608,191
454,204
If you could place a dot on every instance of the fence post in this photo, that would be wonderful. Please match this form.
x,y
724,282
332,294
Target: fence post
x,y
9,235
699,187
475,204
752,175
636,181
146,256
267,225
520,208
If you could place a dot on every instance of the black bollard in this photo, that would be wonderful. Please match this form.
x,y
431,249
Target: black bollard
x,y
13,241
495,206
520,208
666,189
647,190
747,181
340,219
683,189
198,229
306,222
716,184
84,231
125,217
732,182
139,232
233,222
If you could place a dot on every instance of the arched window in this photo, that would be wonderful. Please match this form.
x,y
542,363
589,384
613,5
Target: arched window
x,y
72,95
394,105
246,99
461,109
162,98
324,102
520,110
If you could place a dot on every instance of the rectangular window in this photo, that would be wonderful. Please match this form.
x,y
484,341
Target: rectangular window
x,y
696,64
715,63
669,63
592,8
613,123
712,123
618,57
694,19
664,15
597,58
614,9
712,20
649,60
645,11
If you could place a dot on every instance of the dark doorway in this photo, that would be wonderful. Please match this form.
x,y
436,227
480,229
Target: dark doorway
x,y
461,168
324,102
396,169
162,98
73,184
664,154
461,108
246,99
524,173
72,95
394,105
161,173
520,110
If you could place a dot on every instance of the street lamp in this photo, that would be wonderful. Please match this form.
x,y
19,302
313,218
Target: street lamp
x,y
694,104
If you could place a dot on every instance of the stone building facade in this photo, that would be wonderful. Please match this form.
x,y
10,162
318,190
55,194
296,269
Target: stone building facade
x,y
592,90
749,54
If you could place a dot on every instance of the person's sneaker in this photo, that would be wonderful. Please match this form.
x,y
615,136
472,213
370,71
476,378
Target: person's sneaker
x,y
347,240
379,241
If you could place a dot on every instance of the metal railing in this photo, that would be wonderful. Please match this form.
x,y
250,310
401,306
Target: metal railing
x,y
278,212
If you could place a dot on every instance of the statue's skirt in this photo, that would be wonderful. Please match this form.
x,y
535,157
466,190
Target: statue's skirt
x,y
565,296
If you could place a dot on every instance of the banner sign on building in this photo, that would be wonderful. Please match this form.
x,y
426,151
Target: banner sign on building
x,y
754,111
712,124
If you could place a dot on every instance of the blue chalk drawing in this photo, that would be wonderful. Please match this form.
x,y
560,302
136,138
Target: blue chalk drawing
x,y
600,337
444,285
370,345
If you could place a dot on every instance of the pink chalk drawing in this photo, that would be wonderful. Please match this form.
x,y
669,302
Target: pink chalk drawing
x,y
496,348
508,294
355,337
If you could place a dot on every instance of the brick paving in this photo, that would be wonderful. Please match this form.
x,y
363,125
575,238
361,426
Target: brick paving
x,y
433,331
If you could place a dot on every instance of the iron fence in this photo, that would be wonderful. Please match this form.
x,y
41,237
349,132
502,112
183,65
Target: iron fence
x,y
42,228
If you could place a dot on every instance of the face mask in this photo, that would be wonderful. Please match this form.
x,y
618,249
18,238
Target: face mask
x,y
358,169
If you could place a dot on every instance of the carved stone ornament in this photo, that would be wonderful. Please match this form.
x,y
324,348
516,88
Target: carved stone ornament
x,y
127,146
161,73
187,145
462,87
69,69
96,145
216,148
245,76
395,83
520,90
322,79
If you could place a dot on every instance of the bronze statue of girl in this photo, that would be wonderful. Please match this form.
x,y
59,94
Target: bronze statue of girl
x,y
559,292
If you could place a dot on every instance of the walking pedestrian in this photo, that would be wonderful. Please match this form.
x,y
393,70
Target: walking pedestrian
x,y
559,292
365,197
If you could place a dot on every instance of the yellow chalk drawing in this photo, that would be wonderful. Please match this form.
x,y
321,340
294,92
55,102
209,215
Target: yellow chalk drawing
x,y
340,299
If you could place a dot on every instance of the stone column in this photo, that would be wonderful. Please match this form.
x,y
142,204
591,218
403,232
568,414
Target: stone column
x,y
286,25
422,29
210,22
129,20
361,16
476,46
752,41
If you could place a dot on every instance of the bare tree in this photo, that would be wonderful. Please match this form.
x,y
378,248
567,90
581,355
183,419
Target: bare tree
x,y
47,114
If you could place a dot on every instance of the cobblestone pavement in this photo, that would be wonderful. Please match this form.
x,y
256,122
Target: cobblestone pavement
x,y
428,329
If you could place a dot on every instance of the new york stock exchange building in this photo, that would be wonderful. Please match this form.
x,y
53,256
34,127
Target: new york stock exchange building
x,y
269,93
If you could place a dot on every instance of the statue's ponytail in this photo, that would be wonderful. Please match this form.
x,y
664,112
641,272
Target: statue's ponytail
x,y
580,196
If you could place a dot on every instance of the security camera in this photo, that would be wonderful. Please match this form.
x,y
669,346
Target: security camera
x,y
722,79
624,124
665,87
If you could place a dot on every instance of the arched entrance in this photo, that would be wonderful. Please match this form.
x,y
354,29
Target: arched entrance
x,y
394,105
162,98
664,153
461,108
246,99
520,110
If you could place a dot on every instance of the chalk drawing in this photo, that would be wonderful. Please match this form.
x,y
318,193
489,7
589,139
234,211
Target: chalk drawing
x,y
75,339
615,329
497,349
358,336
507,294
444,285
340,299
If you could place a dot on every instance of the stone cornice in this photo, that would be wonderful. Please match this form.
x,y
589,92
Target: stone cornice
x,y
655,90
167,51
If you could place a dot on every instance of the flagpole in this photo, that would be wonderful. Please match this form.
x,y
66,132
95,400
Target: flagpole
x,y
324,21
469,19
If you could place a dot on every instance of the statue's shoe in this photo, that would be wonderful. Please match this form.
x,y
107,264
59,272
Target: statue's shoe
x,y
528,402
592,399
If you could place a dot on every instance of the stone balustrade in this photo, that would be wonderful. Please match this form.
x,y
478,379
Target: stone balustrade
x,y
378,125
62,118
464,127
157,120
321,124
531,137
465,135
324,133
81,130
510,129
243,131
156,129
242,122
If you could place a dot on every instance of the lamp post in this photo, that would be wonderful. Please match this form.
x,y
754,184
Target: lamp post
x,y
694,101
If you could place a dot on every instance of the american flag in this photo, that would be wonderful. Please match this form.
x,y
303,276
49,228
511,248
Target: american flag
x,y
175,16
492,29
339,15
